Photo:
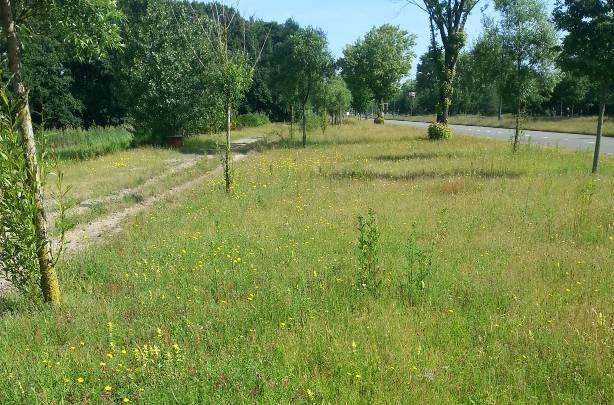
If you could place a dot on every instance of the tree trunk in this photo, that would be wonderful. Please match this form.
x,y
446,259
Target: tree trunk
x,y
599,135
500,107
228,155
49,283
292,121
304,126
380,112
517,129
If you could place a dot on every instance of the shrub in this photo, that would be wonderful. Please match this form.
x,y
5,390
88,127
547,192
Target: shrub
x,y
379,120
18,242
439,131
18,247
86,144
313,121
323,123
419,268
252,120
368,252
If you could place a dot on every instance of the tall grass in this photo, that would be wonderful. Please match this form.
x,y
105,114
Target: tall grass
x,y
496,284
88,143
576,125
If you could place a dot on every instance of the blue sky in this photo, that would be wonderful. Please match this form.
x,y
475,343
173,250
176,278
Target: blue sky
x,y
347,20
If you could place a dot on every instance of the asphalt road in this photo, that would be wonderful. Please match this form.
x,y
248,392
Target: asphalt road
x,y
563,140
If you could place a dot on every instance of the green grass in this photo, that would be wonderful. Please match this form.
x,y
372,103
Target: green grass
x,y
86,144
577,125
256,297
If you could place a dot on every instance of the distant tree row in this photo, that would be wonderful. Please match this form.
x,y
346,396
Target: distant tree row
x,y
485,70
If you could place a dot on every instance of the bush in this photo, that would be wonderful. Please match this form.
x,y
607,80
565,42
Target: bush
x,y
439,131
18,247
313,121
252,120
368,253
86,144
379,120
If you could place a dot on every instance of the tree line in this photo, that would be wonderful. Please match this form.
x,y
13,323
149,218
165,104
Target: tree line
x,y
554,88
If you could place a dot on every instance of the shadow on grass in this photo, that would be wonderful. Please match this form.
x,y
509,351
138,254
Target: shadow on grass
x,y
211,147
420,156
334,141
368,175
199,146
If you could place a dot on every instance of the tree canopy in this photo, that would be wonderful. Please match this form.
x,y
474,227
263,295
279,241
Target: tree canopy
x,y
379,61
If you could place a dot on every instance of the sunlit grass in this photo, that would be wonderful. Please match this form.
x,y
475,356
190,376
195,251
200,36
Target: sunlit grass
x,y
254,297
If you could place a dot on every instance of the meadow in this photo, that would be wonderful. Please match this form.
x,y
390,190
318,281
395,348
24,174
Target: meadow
x,y
576,125
485,278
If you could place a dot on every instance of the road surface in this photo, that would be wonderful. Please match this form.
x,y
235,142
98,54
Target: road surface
x,y
563,140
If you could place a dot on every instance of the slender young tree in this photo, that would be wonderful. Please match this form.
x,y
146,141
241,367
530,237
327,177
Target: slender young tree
x,y
449,18
233,66
529,42
379,62
588,49
307,64
88,28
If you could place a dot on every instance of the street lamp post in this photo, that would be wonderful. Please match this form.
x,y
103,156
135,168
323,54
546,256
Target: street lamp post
x,y
412,94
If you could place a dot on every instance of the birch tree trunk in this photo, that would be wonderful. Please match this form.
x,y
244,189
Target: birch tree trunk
x,y
49,283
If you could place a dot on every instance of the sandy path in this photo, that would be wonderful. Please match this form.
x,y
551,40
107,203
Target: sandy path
x,y
102,229
86,205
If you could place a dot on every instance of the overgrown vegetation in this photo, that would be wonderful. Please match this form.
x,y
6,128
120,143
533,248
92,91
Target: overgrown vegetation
x,y
252,120
438,131
516,308
88,143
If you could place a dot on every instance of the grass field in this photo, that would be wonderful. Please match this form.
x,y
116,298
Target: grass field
x,y
577,125
260,296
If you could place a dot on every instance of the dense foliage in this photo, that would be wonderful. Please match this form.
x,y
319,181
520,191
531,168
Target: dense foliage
x,y
485,72
162,80
378,62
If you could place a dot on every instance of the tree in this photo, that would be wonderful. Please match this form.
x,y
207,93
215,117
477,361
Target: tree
x,y
588,49
235,73
529,40
572,91
333,99
171,91
88,27
449,18
283,80
49,81
379,62
490,61
307,64
426,82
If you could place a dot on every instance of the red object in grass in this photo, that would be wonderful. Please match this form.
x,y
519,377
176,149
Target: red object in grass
x,y
175,140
